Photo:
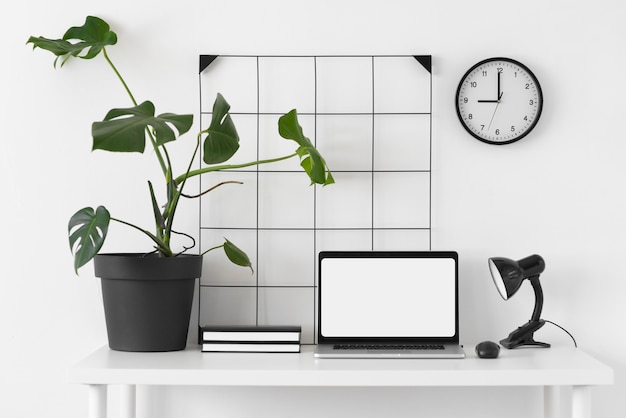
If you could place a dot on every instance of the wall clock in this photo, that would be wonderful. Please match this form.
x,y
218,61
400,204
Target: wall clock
x,y
499,101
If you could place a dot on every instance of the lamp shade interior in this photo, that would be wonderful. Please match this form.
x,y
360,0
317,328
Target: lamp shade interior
x,y
497,279
507,275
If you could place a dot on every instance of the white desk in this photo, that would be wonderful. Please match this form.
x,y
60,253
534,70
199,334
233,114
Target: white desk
x,y
548,368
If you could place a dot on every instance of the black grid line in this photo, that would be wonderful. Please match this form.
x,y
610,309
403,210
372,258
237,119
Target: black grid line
x,y
373,162
258,143
207,61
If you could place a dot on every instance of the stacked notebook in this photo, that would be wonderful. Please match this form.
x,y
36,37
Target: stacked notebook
x,y
251,339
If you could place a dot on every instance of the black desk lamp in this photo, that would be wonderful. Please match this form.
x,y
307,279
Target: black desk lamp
x,y
508,276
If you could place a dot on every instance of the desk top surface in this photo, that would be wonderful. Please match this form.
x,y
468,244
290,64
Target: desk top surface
x,y
521,367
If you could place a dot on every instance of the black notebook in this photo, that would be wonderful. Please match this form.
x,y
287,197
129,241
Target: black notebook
x,y
270,339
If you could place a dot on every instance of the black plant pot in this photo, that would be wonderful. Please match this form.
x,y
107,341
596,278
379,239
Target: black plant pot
x,y
147,299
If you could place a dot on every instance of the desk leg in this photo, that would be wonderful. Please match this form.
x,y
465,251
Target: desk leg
x,y
551,402
128,401
581,402
97,401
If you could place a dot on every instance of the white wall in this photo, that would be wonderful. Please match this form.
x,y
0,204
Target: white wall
x,y
568,177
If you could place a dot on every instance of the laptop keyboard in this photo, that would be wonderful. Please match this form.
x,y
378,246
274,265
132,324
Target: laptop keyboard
x,y
388,347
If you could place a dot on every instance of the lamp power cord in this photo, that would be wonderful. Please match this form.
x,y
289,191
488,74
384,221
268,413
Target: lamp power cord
x,y
566,331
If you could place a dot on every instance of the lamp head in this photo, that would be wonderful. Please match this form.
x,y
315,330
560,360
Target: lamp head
x,y
508,274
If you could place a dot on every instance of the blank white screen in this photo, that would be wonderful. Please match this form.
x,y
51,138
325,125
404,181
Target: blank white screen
x,y
388,297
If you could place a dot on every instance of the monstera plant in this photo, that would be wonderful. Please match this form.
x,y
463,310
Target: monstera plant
x,y
129,129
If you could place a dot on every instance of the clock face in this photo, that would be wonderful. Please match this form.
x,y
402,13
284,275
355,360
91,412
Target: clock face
x,y
499,101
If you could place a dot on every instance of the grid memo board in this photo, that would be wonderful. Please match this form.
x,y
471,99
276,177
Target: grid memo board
x,y
371,119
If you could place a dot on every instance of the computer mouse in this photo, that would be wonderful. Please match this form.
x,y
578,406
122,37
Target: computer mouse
x,y
487,349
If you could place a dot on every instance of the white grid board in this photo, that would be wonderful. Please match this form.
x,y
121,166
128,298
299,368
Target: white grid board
x,y
371,119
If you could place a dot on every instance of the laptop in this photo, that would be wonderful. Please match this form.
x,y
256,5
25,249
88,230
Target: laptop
x,y
388,304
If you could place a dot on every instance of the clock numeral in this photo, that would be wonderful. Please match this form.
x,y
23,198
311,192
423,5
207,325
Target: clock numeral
x,y
482,127
531,102
500,69
465,100
512,128
526,118
484,73
470,116
527,86
497,131
473,84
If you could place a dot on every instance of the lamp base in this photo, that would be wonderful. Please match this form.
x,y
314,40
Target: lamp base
x,y
523,336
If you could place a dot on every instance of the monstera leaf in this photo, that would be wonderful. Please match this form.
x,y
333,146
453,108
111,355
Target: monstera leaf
x,y
310,159
94,35
87,231
222,140
124,130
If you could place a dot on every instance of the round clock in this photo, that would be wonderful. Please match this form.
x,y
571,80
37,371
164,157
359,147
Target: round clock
x,y
499,101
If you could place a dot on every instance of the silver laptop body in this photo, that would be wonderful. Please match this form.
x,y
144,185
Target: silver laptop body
x,y
388,304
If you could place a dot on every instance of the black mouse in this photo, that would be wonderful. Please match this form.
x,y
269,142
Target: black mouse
x,y
487,349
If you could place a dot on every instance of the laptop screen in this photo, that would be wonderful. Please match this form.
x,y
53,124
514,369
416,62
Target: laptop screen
x,y
388,295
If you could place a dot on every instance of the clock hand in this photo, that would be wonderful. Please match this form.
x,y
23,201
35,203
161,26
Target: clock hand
x,y
492,101
499,93
494,114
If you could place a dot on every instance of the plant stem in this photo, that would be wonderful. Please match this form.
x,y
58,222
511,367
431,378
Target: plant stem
x,y
132,98
229,167
211,189
160,245
178,191
119,76
213,248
